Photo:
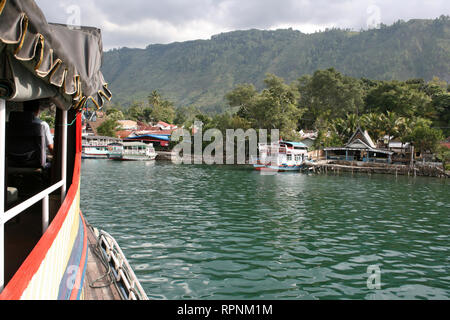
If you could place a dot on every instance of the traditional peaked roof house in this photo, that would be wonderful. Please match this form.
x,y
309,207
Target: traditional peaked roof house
x,y
360,140
360,147
309,142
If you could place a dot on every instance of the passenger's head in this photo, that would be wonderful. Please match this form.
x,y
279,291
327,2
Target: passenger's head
x,y
32,106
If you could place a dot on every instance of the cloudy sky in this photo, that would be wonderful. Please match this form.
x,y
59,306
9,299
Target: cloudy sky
x,y
138,23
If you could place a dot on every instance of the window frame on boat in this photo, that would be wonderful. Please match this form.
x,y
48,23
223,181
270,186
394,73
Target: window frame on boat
x,y
43,196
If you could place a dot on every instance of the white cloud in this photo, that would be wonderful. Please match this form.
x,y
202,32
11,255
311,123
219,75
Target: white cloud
x,y
138,23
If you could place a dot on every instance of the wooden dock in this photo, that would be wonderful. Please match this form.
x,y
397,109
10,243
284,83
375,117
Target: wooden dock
x,y
334,166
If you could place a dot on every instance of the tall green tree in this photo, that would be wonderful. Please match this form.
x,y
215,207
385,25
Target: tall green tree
x,y
329,94
136,112
275,107
160,109
108,128
405,99
426,138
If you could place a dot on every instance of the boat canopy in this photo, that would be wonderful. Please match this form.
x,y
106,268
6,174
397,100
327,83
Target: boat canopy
x,y
41,60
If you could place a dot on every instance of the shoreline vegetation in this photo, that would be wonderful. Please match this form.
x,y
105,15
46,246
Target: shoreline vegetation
x,y
333,166
327,102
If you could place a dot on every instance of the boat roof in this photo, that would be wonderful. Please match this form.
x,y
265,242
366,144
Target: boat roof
x,y
295,144
66,70
134,144
100,138
145,136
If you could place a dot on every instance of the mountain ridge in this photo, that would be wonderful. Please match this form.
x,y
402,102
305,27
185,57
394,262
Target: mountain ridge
x,y
201,72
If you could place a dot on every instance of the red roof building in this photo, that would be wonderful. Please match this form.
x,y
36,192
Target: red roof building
x,y
122,134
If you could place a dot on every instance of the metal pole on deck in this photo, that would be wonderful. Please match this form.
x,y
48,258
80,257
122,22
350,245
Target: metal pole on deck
x,y
64,155
45,214
2,191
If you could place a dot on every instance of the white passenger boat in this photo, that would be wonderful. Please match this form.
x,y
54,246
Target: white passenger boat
x,y
131,151
95,152
281,156
96,147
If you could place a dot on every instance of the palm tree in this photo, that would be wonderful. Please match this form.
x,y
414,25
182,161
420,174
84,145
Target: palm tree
x,y
373,123
339,127
391,124
405,128
154,98
352,122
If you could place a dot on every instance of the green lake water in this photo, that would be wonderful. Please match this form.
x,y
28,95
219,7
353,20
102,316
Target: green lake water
x,y
224,232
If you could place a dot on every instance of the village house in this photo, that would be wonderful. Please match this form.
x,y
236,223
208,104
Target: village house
x,y
360,147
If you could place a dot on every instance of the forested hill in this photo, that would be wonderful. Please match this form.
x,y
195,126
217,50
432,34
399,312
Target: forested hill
x,y
201,72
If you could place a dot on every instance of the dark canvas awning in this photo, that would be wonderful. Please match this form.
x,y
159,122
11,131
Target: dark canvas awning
x,y
40,60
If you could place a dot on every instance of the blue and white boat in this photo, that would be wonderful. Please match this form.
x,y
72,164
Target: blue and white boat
x,y
281,156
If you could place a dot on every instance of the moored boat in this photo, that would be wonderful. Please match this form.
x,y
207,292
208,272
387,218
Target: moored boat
x,y
281,156
95,147
131,151
95,152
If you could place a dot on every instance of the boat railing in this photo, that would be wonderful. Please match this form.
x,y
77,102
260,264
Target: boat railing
x,y
125,279
134,152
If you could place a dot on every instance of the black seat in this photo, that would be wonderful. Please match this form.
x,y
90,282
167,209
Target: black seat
x,y
26,154
25,145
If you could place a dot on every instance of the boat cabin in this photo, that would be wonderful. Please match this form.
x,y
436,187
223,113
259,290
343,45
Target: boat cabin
x,y
96,147
283,153
131,150
131,147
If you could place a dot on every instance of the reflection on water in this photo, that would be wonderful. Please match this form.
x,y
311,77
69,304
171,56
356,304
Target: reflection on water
x,y
221,232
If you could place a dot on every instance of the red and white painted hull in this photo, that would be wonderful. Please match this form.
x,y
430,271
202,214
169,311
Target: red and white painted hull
x,y
56,267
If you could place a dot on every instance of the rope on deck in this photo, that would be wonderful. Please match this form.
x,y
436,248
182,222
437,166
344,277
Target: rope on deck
x,y
117,267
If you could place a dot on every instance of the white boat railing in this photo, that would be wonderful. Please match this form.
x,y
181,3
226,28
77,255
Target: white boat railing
x,y
123,275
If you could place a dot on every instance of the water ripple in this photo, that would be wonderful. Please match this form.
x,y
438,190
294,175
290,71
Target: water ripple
x,y
203,232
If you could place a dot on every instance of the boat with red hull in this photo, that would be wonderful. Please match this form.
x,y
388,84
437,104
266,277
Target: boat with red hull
x,y
46,244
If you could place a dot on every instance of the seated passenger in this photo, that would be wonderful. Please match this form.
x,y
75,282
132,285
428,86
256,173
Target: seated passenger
x,y
33,107
27,139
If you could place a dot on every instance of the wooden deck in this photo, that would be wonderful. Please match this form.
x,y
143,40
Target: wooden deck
x,y
106,290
